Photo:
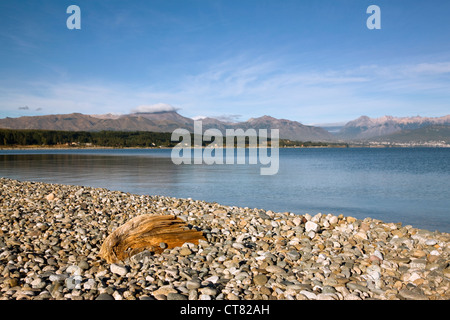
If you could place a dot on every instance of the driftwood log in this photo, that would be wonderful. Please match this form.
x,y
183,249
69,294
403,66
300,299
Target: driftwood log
x,y
147,232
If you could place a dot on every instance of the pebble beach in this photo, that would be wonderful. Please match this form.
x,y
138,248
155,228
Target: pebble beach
x,y
51,234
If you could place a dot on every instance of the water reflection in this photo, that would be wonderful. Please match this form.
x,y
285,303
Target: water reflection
x,y
399,185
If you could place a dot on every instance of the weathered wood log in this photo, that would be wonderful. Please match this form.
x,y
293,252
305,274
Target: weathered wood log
x,y
147,232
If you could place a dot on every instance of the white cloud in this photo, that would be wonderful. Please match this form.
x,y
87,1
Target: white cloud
x,y
199,118
154,108
251,88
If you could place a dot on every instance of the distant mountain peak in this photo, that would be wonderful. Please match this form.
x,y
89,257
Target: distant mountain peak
x,y
366,128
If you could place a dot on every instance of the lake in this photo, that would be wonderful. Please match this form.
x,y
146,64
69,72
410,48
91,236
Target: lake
x,y
407,185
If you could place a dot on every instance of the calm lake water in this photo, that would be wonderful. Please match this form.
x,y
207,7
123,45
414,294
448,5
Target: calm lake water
x,y
408,185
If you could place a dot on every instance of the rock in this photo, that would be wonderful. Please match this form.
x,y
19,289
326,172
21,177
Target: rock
x,y
411,295
208,291
117,296
355,286
418,264
83,265
185,251
119,269
163,245
38,284
104,296
311,226
310,295
333,220
12,282
419,253
232,296
275,269
351,219
164,290
74,270
263,215
374,272
212,279
57,277
326,296
328,289
176,296
293,255
193,295
260,279
50,197
192,284
361,235
297,221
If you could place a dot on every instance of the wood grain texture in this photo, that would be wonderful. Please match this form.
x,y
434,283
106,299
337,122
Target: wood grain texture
x,y
146,232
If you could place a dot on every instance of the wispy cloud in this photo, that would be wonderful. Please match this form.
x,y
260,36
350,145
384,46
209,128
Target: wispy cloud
x,y
253,87
154,108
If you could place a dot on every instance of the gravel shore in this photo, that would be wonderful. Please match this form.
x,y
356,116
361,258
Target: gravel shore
x,y
50,237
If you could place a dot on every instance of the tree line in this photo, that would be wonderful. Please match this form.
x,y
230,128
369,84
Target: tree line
x,y
115,139
9,137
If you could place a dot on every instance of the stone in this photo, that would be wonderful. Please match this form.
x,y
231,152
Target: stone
x,y
74,270
260,279
351,219
208,291
361,235
185,251
232,296
411,295
83,265
104,296
164,290
57,277
419,253
328,289
119,269
275,269
163,245
38,284
176,296
418,264
310,295
293,255
192,284
311,226
193,295
212,279
297,221
333,220
379,255
355,286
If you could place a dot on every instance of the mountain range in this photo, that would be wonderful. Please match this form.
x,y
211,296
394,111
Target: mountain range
x,y
363,129
166,121
367,128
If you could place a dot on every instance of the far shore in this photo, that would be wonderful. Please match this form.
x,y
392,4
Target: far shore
x,y
65,147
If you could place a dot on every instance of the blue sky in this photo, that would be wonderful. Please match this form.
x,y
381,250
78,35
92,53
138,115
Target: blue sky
x,y
310,61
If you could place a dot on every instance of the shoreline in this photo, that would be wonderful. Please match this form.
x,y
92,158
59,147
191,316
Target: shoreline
x,y
65,148
51,234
